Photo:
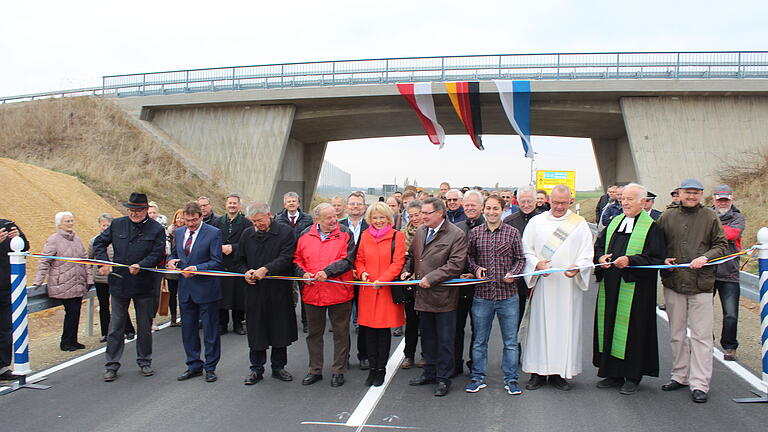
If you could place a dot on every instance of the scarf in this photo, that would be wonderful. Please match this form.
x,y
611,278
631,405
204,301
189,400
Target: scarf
x,y
379,233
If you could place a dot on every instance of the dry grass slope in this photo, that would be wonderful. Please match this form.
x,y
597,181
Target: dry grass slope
x,y
93,140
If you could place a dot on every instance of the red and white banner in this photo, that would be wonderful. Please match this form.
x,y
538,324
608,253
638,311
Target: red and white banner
x,y
419,97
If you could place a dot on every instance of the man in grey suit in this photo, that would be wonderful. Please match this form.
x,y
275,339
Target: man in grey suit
x,y
438,253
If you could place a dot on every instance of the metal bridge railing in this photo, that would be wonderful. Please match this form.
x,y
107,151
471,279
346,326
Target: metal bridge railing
x,y
564,66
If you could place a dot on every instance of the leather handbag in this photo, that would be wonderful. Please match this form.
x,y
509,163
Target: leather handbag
x,y
400,293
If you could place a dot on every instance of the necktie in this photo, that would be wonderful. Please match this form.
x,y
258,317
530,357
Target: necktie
x,y
188,243
430,234
293,220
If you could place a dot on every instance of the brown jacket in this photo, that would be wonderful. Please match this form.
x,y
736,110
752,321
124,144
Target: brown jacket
x,y
691,233
443,258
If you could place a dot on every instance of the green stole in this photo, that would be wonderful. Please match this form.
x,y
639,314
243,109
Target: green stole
x,y
626,289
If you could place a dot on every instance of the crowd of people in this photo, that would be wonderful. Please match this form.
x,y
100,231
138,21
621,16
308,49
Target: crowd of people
x,y
487,238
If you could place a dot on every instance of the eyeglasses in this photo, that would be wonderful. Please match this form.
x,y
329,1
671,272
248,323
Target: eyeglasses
x,y
354,204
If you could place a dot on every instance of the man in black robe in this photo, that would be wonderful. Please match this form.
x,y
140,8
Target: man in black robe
x,y
266,249
231,226
625,344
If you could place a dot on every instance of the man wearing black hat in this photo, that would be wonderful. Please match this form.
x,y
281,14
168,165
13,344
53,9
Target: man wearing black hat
x,y
138,241
652,212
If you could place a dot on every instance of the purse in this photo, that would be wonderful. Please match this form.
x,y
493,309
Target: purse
x,y
400,293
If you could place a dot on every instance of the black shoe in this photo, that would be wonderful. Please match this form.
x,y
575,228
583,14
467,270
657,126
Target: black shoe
x,y
311,379
67,347
253,378
240,330
210,376
378,379
442,388
147,371
610,382
673,385
304,327
8,375
110,375
699,396
536,381
421,380
630,387
223,330
371,378
103,339
365,364
78,345
397,332
175,322
189,374
337,380
130,335
282,375
559,382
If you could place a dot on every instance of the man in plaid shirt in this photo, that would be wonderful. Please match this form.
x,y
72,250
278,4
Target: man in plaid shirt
x,y
495,253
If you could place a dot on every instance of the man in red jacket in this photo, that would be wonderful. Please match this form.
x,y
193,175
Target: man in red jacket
x,y
325,252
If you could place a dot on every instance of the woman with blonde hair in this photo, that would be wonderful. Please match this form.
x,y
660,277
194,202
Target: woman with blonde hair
x,y
67,281
380,258
173,278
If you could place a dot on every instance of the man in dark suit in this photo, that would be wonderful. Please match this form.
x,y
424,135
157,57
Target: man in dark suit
x,y
198,248
139,241
438,253
356,223
231,225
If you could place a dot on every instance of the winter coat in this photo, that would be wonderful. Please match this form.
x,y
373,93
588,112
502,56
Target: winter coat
x,y
303,221
270,312
232,288
443,258
374,256
692,232
733,223
65,279
520,220
455,216
140,243
335,256
5,263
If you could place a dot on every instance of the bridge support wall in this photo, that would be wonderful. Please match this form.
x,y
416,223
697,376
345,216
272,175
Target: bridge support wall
x,y
614,161
247,146
672,138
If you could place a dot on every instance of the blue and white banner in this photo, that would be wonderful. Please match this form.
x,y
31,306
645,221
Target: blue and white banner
x,y
516,99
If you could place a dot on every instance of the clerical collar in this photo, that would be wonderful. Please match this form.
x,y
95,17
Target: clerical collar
x,y
626,225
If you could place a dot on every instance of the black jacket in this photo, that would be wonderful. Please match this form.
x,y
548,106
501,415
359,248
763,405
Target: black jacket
x,y
363,227
520,220
302,222
5,263
230,235
467,224
142,243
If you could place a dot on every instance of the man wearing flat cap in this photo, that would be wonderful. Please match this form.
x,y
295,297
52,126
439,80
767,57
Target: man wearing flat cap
x,y
727,273
694,235
139,242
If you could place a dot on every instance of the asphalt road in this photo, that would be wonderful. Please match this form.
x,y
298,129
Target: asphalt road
x,y
80,401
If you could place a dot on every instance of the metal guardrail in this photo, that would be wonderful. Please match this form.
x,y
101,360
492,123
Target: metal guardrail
x,y
546,66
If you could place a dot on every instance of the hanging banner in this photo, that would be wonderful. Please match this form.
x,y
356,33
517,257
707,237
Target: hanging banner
x,y
516,99
465,97
419,97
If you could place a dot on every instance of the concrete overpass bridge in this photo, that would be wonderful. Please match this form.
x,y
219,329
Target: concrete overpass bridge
x,y
654,118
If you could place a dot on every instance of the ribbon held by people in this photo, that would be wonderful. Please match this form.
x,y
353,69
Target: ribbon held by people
x,y
451,282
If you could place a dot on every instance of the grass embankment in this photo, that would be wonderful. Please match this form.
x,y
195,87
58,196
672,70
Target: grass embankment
x,y
93,140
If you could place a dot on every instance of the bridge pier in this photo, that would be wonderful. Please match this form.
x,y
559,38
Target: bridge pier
x,y
676,137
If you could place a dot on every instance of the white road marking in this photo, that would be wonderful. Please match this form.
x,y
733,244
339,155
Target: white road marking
x,y
373,395
735,367
366,426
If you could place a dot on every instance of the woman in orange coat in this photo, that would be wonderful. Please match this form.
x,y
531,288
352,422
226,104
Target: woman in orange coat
x,y
380,257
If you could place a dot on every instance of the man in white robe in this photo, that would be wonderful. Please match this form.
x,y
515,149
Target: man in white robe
x,y
556,239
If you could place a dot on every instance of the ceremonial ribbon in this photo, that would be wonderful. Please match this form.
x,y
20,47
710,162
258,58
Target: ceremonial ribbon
x,y
450,282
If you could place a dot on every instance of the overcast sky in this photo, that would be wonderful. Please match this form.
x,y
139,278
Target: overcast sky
x,y
50,45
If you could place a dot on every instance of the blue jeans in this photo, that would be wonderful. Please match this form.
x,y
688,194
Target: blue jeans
x,y
483,312
729,297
